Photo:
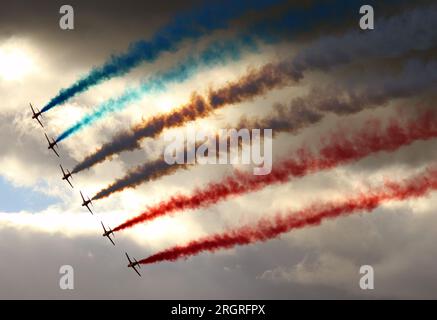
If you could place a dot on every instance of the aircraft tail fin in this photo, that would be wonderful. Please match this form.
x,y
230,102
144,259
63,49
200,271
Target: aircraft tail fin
x,y
40,114
138,264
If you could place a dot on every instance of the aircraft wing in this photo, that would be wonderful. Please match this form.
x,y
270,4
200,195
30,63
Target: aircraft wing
x,y
48,140
110,239
69,183
39,122
133,267
83,199
31,107
63,172
127,256
55,152
89,209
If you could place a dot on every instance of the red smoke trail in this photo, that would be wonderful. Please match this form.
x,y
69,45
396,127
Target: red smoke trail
x,y
336,149
269,228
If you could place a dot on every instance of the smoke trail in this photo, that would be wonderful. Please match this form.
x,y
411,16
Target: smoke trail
x,y
152,170
387,42
256,82
324,53
156,169
189,25
338,148
203,20
269,228
216,53
303,112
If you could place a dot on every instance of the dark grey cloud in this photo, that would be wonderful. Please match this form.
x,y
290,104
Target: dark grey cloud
x,y
100,271
392,39
101,27
393,241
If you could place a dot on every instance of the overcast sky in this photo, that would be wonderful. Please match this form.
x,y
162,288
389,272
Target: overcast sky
x,y
43,227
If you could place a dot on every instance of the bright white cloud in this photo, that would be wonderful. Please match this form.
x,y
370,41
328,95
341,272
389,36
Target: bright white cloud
x,y
16,60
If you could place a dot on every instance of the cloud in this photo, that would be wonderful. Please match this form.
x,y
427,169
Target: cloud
x,y
325,269
100,272
398,239
387,240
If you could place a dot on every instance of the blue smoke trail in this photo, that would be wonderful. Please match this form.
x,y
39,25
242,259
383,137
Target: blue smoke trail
x,y
217,53
297,20
190,25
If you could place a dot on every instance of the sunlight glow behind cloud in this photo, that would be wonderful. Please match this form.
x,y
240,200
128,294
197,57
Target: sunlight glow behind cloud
x,y
16,61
